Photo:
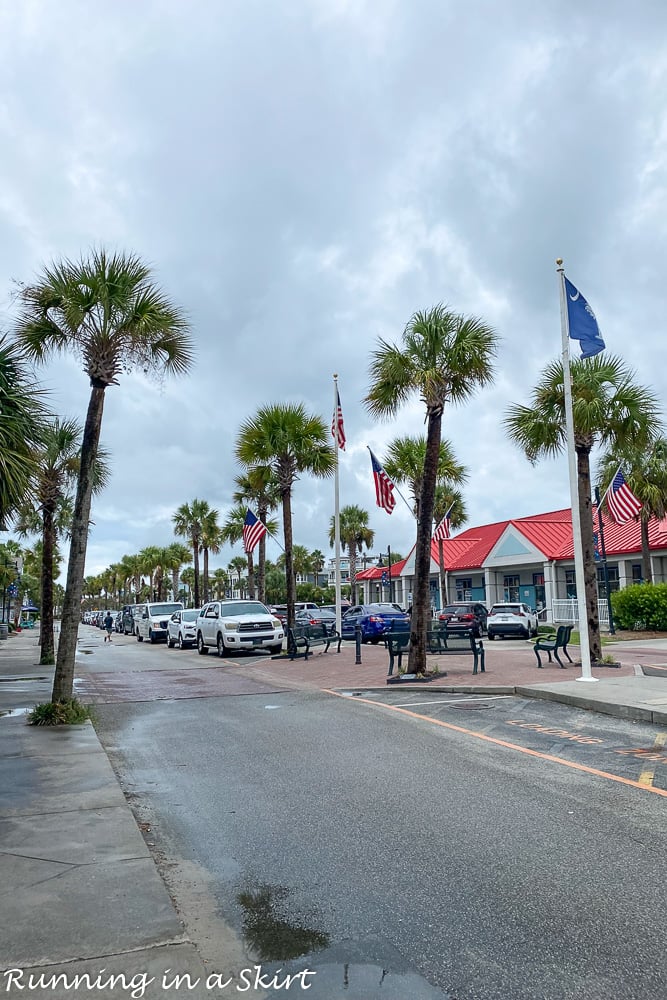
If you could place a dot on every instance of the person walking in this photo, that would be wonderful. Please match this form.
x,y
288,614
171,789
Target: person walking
x,y
108,625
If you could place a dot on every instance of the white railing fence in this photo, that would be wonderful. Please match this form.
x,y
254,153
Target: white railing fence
x,y
567,612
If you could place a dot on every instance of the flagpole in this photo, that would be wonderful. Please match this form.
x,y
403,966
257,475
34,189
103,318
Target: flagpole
x,y
337,513
586,674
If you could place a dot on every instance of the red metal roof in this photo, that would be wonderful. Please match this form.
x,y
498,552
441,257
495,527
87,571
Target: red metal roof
x,y
375,572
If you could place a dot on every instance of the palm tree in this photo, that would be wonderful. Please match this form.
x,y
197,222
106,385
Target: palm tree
x,y
188,522
290,441
444,358
106,309
211,539
232,532
132,573
609,408
404,463
645,471
22,417
57,459
188,580
220,583
236,567
447,501
151,558
354,535
258,488
176,556
317,562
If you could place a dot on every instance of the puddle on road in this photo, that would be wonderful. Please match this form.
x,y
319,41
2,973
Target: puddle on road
x,y
275,939
15,711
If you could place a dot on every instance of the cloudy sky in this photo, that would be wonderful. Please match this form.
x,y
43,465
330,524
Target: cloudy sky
x,y
305,174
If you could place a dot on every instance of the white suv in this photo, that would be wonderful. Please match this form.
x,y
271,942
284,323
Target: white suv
x,y
511,619
153,621
234,625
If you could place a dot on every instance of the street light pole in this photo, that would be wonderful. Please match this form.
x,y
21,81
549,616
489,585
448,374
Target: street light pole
x,y
391,582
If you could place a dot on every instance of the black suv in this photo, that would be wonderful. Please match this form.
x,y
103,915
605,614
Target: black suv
x,y
465,614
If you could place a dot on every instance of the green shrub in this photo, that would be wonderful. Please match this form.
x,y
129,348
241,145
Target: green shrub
x,y
642,606
59,713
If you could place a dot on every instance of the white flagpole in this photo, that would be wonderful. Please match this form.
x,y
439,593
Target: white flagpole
x,y
337,512
586,674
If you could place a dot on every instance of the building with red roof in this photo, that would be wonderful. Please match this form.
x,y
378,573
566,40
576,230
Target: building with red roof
x,y
529,559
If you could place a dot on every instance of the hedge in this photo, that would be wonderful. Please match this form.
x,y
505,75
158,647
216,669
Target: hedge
x,y
642,606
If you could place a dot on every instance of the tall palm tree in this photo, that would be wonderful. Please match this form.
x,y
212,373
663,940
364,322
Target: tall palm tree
x,y
211,539
444,358
610,409
106,309
232,532
404,463
290,441
220,583
188,522
236,567
354,535
257,487
645,471
188,580
57,459
176,556
317,562
132,573
22,417
151,558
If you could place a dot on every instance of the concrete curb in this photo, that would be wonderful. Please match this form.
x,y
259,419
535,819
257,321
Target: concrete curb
x,y
632,712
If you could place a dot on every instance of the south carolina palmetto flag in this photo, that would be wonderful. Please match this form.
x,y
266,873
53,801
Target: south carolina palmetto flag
x,y
253,531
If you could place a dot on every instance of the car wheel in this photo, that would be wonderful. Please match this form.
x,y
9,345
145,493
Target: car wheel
x,y
170,642
222,649
140,638
276,650
375,640
151,637
526,633
201,648
181,644
491,636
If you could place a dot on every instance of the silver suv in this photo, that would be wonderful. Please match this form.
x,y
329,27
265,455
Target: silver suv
x,y
229,626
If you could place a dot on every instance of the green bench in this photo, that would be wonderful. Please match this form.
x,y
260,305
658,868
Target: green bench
x,y
439,642
303,638
552,643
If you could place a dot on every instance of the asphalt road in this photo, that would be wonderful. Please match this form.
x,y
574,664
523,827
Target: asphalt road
x,y
403,847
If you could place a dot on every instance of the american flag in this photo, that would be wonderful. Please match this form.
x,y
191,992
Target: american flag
x,y
253,531
384,488
622,504
444,528
337,426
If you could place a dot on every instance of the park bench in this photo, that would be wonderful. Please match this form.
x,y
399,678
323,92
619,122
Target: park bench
x,y
303,638
438,642
552,643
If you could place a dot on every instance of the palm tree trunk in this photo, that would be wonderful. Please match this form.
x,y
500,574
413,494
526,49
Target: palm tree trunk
x,y
195,553
352,556
290,579
205,588
251,577
175,583
421,599
588,551
46,641
646,553
63,681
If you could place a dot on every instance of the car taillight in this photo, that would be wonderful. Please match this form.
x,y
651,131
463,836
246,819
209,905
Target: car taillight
x,y
374,618
313,621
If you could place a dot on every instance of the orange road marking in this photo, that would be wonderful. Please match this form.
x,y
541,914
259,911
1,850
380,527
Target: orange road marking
x,y
646,777
503,743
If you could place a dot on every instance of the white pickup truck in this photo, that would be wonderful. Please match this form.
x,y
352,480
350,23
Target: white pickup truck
x,y
153,621
229,626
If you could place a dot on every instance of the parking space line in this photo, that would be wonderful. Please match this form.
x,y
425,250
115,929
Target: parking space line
x,y
503,743
454,701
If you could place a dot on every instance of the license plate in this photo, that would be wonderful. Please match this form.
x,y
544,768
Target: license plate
x,y
256,642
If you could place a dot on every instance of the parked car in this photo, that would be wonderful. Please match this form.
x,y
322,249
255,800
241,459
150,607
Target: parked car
x,y
229,626
463,615
129,613
280,610
153,621
118,621
344,607
182,628
375,620
512,619
319,616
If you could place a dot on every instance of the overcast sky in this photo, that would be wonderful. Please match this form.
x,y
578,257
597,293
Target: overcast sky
x,y
305,174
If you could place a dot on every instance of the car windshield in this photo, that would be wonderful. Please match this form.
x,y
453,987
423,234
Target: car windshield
x,y
164,609
191,615
243,608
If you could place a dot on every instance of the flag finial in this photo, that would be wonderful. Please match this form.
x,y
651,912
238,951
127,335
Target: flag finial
x,y
559,261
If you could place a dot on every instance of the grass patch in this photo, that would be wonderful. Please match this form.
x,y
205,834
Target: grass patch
x,y
60,713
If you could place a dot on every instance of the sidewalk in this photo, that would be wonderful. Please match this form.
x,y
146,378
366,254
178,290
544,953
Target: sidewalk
x,y
80,890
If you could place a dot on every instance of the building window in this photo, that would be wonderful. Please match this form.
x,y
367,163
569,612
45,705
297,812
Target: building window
x,y
637,573
511,588
570,583
614,584
464,588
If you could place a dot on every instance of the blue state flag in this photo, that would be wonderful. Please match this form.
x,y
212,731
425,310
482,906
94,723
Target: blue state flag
x,y
582,322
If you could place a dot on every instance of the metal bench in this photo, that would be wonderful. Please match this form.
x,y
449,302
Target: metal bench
x,y
302,638
552,643
438,642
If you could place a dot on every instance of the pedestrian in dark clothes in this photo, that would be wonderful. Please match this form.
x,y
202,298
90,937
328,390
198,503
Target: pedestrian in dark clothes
x,y
108,625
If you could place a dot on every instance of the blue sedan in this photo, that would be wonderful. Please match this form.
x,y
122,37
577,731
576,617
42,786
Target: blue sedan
x,y
375,620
